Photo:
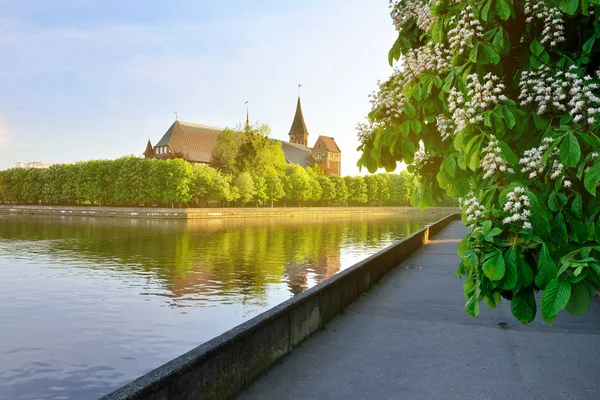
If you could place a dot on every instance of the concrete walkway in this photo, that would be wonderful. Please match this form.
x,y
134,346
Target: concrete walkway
x,y
410,338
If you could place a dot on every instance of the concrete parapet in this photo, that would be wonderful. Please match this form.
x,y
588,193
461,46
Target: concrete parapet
x,y
226,364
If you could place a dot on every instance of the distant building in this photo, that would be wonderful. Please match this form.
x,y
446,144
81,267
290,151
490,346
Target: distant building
x,y
33,165
195,143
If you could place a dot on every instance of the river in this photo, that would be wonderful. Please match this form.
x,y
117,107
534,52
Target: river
x,y
88,304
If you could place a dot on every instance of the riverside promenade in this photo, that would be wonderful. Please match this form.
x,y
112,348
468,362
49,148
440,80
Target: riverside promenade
x,y
410,338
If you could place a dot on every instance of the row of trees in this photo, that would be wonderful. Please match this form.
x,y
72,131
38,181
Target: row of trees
x,y
148,182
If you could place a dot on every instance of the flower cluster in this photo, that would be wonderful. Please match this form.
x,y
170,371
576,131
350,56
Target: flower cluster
x,y
553,28
562,92
517,207
417,10
467,110
493,162
557,168
532,160
421,158
471,208
467,29
366,130
444,126
388,99
434,58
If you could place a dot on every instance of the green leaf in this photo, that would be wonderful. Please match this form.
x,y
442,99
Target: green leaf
x,y
473,307
555,298
396,50
579,302
559,229
494,268
490,54
536,48
507,153
569,6
503,9
577,206
540,122
473,53
553,202
570,152
486,10
547,268
510,261
450,165
589,44
592,177
525,274
487,226
523,306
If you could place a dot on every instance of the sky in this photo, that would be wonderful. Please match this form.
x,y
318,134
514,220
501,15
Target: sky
x,y
95,79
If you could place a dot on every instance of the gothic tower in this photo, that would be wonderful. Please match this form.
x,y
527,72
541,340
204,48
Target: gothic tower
x,y
298,132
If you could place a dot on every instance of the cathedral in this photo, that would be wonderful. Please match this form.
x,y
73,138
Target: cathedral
x,y
195,143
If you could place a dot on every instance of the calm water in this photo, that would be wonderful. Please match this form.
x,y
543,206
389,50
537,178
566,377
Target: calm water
x,y
88,304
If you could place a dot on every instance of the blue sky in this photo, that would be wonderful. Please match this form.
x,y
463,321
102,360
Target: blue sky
x,y
95,79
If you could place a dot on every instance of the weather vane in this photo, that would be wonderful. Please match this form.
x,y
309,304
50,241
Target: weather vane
x,y
299,86
175,115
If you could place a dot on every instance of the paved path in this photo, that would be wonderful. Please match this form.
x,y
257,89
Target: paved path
x,y
410,338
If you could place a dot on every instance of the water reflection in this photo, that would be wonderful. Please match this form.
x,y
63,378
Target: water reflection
x,y
91,303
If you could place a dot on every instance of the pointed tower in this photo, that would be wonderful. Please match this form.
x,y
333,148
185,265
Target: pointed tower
x,y
298,132
149,153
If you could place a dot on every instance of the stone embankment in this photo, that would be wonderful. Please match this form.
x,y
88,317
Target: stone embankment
x,y
211,213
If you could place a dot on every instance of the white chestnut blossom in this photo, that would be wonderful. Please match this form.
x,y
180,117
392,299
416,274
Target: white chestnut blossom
x,y
561,91
553,28
557,169
471,208
403,11
432,58
517,208
492,162
445,126
466,31
467,109
532,159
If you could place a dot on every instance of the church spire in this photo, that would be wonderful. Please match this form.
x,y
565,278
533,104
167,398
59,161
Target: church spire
x,y
298,132
149,153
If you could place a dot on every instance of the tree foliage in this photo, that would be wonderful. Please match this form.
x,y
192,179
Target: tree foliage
x,y
175,182
496,102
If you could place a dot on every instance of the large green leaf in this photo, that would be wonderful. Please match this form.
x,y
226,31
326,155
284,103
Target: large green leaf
x,y
579,302
523,306
577,206
547,268
503,9
555,298
494,267
570,152
569,6
511,277
592,177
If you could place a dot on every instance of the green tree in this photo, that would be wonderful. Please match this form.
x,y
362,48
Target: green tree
x,y
245,186
357,189
298,185
258,153
275,191
497,103
327,189
316,191
225,153
260,189
339,188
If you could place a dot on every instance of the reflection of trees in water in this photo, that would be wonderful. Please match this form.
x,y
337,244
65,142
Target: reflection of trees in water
x,y
210,260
